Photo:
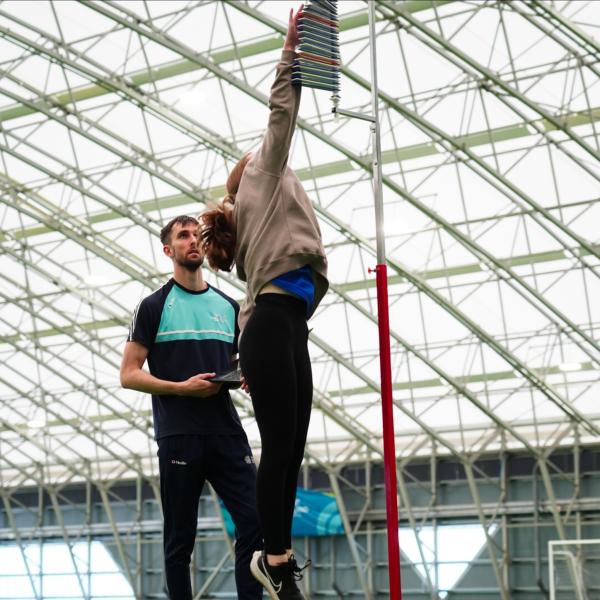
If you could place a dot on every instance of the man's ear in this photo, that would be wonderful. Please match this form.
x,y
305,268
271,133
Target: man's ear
x,y
167,250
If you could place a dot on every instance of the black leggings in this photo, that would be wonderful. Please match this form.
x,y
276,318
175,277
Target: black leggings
x,y
274,359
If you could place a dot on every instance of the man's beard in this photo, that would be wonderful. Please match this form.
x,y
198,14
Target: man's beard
x,y
190,265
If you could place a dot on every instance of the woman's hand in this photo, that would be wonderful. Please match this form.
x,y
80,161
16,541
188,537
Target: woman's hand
x,y
244,385
293,38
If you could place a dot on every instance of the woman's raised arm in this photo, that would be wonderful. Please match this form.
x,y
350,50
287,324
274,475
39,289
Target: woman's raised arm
x,y
284,102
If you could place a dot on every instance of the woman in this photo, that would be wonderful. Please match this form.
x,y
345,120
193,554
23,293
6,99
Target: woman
x,y
267,227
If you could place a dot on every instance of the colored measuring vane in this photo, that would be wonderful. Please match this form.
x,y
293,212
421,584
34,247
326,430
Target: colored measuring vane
x,y
317,64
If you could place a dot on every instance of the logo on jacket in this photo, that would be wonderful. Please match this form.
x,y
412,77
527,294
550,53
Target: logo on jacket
x,y
249,460
178,462
219,319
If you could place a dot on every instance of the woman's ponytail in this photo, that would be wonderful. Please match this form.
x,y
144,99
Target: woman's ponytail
x,y
218,230
218,234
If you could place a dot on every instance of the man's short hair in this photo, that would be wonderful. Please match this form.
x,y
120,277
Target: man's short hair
x,y
183,220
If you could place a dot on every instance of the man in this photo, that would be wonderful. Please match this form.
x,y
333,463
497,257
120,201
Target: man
x,y
187,330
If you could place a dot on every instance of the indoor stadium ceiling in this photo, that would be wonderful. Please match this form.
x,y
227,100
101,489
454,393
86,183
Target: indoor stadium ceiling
x,y
116,116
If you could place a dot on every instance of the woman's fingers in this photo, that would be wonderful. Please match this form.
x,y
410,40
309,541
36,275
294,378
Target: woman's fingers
x,y
294,17
292,38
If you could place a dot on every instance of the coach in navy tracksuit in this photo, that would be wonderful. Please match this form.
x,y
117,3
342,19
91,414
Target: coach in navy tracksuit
x,y
187,330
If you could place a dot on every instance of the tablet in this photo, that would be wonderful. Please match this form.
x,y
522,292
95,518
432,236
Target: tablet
x,y
231,379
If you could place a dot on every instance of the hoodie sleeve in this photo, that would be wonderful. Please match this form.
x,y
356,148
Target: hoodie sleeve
x,y
284,102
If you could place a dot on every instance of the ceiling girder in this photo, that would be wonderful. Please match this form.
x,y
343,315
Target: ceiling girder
x,y
230,150
476,69
505,272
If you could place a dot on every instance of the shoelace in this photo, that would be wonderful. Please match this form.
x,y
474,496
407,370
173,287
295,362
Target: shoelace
x,y
296,570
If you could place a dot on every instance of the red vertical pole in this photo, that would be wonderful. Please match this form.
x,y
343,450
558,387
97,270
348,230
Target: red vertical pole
x,y
389,445
383,320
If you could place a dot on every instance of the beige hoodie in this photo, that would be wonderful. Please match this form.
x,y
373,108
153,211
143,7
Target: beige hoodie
x,y
276,226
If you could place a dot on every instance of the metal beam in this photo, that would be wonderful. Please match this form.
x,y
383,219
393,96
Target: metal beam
x,y
12,339
537,383
460,145
438,135
107,80
530,294
163,39
140,78
471,66
587,43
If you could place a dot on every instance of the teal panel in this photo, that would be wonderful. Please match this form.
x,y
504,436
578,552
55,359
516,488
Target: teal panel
x,y
185,318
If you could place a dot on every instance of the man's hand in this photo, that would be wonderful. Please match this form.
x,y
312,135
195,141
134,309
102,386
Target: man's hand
x,y
293,38
198,386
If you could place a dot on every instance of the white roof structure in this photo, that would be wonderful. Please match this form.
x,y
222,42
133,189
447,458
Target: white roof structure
x,y
116,116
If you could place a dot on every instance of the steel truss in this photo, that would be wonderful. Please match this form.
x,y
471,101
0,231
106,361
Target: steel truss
x,y
64,218
434,492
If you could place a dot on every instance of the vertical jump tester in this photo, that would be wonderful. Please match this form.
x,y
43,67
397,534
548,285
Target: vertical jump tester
x,y
318,66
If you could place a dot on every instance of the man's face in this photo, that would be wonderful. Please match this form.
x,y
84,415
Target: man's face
x,y
184,248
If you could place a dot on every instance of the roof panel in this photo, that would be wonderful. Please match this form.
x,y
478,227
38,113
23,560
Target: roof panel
x,y
490,140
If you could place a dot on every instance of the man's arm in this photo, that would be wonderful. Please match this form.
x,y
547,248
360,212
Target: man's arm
x,y
133,377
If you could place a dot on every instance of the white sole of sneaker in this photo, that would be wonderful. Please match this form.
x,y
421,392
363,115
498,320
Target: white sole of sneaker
x,y
260,576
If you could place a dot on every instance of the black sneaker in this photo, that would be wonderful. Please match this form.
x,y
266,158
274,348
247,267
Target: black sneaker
x,y
296,570
279,581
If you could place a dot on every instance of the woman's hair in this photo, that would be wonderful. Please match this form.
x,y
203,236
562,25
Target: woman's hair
x,y
217,232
